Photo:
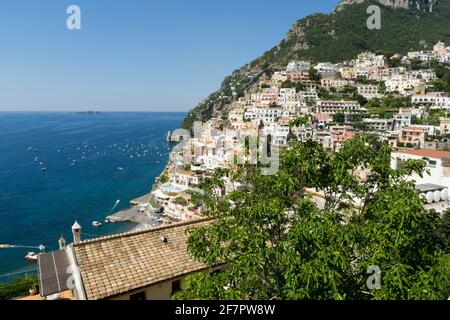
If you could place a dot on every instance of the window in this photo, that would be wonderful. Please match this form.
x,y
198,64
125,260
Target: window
x,y
432,163
176,286
140,296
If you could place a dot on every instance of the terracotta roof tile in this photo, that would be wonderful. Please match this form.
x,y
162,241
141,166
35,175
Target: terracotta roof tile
x,y
117,264
427,153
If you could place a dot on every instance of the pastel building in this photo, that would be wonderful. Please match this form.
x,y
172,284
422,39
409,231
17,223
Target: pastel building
x,y
342,106
438,165
413,136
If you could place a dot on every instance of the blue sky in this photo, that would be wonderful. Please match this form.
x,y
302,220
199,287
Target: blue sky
x,y
135,55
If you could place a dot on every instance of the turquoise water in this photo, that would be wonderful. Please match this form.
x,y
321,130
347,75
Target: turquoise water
x,y
91,161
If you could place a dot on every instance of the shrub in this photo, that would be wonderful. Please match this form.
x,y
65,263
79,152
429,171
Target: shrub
x,y
18,287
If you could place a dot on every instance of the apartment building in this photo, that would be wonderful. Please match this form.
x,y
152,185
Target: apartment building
x,y
413,137
342,106
438,164
435,100
266,115
340,134
369,91
379,124
335,83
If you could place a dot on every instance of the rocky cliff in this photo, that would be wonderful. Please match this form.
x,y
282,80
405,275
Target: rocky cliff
x,y
420,5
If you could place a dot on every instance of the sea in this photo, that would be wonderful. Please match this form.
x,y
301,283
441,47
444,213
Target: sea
x,y
58,168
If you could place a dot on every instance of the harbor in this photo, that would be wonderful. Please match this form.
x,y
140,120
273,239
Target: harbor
x,y
145,211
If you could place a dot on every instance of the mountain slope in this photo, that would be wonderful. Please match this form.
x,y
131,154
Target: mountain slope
x,y
421,5
406,25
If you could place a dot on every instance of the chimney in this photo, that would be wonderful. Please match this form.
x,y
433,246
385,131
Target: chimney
x,y
76,231
62,243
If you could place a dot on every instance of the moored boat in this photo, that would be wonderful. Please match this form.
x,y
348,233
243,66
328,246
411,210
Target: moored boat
x,y
31,256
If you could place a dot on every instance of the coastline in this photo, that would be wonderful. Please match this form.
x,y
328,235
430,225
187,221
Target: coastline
x,y
132,214
86,191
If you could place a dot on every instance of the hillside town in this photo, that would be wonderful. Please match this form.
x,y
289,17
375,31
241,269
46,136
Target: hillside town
x,y
395,98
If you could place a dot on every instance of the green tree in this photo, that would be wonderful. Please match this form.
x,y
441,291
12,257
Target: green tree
x,y
300,121
275,242
339,117
314,75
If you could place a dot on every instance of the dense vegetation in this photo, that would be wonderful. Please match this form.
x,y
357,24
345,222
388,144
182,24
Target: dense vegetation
x,y
274,242
387,106
19,287
443,75
336,37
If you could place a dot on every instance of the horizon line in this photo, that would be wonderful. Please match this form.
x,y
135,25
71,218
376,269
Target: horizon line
x,y
83,111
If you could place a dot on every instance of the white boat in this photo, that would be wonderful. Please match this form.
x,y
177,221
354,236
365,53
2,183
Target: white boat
x,y
31,256
120,168
96,224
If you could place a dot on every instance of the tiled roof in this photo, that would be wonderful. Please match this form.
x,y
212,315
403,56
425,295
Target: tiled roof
x,y
427,153
412,128
117,264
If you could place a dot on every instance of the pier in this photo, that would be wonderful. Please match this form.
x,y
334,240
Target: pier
x,y
133,215
141,200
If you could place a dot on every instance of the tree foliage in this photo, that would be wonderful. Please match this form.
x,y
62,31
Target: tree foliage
x,y
275,241
18,287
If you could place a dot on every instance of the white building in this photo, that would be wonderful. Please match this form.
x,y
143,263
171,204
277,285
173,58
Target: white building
x,y
435,100
379,124
369,91
266,115
342,106
402,84
367,60
426,75
287,95
438,164
279,132
441,52
424,56
402,119
431,130
185,179
326,67
298,66
335,83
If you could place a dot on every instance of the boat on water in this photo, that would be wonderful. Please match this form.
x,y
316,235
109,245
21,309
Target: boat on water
x,y
4,246
96,224
31,256
120,168
43,170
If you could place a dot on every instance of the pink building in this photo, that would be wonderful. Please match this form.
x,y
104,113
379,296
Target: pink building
x,y
269,96
340,134
299,75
